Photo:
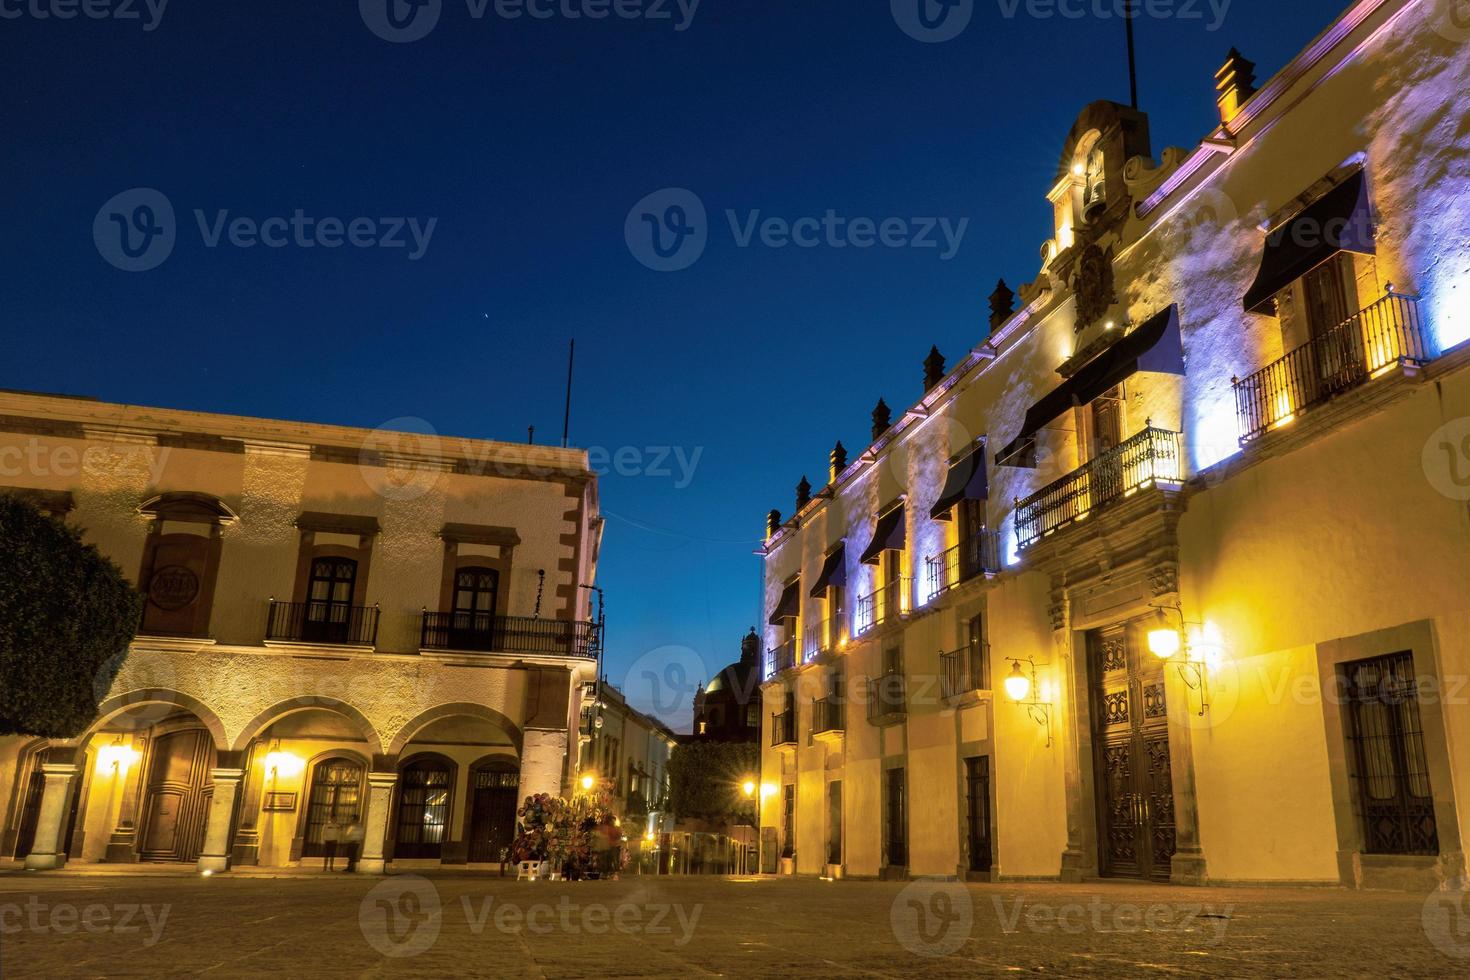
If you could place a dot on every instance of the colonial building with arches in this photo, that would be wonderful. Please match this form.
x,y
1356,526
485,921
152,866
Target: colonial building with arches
x,y
365,641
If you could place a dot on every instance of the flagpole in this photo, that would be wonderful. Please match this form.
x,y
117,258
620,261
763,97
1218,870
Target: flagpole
x,y
1130,11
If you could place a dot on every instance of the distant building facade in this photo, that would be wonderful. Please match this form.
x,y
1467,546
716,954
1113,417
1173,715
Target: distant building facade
x,y
348,634
627,752
1165,578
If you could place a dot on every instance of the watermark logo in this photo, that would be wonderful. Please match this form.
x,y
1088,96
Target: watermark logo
x,y
66,919
401,21
1446,919
932,918
932,21
668,230
401,916
1451,19
135,230
664,680
1103,917
1446,459
1183,10
394,460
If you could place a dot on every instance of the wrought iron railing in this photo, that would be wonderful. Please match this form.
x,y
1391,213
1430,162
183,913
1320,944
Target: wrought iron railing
x,y
828,716
887,699
482,632
964,670
322,622
977,555
1154,455
823,637
883,605
783,728
1387,334
781,658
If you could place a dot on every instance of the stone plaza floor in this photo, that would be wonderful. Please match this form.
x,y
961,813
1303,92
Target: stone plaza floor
x,y
444,925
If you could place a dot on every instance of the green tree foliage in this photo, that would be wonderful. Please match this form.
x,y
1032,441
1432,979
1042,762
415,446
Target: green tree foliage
x,y
67,615
705,780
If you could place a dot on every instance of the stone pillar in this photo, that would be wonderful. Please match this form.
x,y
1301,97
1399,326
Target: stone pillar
x,y
543,762
1073,737
122,844
46,851
216,853
1188,864
375,822
246,850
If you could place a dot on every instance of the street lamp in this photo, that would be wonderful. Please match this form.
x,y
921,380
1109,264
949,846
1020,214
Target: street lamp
x,y
751,789
1023,690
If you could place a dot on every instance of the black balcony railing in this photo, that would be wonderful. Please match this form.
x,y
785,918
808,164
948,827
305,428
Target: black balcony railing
x,y
964,670
823,637
884,605
828,716
478,632
1154,455
1387,334
886,698
781,658
783,728
977,555
322,622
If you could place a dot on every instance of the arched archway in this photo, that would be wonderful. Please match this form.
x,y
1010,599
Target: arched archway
x,y
494,798
423,805
335,801
139,709
455,709
310,702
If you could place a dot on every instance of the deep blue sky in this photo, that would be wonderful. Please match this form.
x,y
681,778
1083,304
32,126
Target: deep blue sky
x,y
529,142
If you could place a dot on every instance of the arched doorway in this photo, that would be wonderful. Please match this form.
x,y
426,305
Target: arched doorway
x,y
334,803
494,797
425,795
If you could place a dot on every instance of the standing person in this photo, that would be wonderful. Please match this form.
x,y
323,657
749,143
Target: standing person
x,y
331,833
353,839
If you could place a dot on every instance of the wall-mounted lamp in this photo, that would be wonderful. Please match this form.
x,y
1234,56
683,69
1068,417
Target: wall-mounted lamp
x,y
116,758
280,763
1172,646
1023,690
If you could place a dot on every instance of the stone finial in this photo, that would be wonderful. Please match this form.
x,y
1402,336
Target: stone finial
x,y
836,462
750,647
773,524
1002,305
933,369
1236,83
803,493
882,419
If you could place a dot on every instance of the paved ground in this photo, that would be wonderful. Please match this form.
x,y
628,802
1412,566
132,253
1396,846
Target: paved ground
x,y
459,926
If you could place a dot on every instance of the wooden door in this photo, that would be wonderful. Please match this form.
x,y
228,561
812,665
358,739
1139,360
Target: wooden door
x,y
494,792
176,796
1131,740
30,810
977,797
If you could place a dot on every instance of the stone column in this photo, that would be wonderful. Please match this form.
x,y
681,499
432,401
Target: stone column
x,y
246,850
216,853
375,822
543,762
1072,735
122,845
46,851
1187,867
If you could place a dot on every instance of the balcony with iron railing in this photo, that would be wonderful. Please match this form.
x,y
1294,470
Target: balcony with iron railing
x,y
828,718
887,700
977,555
1151,457
1374,341
781,658
964,670
328,623
883,605
824,636
783,728
483,632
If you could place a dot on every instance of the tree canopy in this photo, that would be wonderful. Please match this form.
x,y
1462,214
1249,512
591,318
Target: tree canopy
x,y
67,615
705,780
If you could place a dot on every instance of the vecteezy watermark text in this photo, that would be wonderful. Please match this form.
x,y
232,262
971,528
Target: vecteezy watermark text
x,y
136,230
148,12
65,919
668,231
405,21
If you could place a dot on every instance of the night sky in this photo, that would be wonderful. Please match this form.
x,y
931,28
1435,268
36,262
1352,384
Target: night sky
x,y
529,140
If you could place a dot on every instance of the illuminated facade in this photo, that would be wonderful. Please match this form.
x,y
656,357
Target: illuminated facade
x,y
349,635
627,752
1166,577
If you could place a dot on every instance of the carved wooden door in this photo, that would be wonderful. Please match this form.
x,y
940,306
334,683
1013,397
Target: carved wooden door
x,y
177,796
1131,742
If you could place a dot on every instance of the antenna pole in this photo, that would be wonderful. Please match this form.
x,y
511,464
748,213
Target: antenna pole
x,y
566,419
1130,11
